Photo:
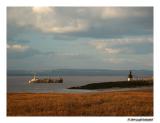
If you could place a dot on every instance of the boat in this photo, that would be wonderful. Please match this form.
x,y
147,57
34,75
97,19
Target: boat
x,y
45,80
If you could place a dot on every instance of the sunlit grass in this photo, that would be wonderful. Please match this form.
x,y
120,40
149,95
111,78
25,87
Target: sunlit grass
x,y
129,103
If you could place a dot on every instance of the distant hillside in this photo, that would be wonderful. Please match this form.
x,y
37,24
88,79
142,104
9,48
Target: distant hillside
x,y
79,72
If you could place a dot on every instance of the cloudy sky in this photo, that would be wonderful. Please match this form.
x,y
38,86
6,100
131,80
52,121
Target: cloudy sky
x,y
41,38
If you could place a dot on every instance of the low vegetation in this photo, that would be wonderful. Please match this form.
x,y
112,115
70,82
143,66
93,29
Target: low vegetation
x,y
127,103
118,84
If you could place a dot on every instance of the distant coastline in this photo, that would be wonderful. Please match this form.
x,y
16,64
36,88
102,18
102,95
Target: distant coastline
x,y
78,72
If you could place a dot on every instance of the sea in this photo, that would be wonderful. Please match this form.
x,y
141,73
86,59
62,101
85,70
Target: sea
x,y
19,84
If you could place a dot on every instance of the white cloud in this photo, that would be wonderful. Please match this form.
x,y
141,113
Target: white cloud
x,y
17,47
112,12
102,46
131,40
73,26
115,46
112,51
18,51
122,41
44,10
120,12
64,20
46,19
98,44
115,60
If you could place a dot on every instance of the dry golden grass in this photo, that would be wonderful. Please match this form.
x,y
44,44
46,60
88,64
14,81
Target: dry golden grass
x,y
129,103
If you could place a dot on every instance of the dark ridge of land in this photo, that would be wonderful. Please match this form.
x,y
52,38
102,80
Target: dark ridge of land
x,y
127,103
79,72
118,84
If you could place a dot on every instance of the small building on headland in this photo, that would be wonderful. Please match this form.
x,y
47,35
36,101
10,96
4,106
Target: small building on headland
x,y
130,76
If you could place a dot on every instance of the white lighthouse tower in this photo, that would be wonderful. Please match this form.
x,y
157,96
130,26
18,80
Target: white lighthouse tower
x,y
130,76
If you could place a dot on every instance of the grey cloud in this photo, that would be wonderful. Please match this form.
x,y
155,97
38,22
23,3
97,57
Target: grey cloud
x,y
130,45
126,21
136,48
117,28
18,34
12,54
141,49
29,52
19,41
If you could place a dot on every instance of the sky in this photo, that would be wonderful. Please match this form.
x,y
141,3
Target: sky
x,y
41,38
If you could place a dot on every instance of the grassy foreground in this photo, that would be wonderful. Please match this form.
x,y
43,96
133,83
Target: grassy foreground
x,y
127,103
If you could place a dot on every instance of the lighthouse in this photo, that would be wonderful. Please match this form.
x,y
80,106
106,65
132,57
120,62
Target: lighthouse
x,y
130,76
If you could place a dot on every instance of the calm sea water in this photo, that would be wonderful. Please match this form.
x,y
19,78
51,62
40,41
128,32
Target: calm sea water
x,y
20,83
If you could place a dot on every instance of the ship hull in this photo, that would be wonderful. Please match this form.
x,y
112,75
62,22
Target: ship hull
x,y
47,81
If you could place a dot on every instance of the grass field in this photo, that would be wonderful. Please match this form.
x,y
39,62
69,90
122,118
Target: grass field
x,y
129,103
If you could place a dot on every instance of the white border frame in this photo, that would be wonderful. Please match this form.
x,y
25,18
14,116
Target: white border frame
x,y
143,3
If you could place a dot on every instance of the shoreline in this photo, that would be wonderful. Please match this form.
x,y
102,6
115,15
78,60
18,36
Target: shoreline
x,y
98,87
95,92
83,91
116,84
